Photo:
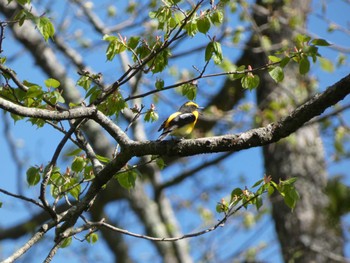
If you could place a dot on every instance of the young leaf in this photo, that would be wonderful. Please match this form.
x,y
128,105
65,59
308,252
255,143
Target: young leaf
x,y
258,202
159,84
52,83
151,116
127,179
217,55
189,90
66,242
274,59
74,152
304,65
277,74
160,163
133,42
102,159
320,42
291,197
209,51
78,164
33,176
92,238
45,27
250,81
203,24
75,191
217,17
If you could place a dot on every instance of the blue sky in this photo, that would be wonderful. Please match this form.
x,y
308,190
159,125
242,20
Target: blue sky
x,y
36,147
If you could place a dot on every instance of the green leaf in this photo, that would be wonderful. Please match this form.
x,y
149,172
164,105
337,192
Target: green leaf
x,y
35,92
151,116
189,90
160,163
270,190
217,17
115,46
250,81
33,176
53,83
277,74
274,59
160,61
133,42
127,179
159,84
74,152
66,242
191,28
304,65
221,208
284,62
326,64
320,42
209,51
289,181
102,159
203,24
291,197
92,238
45,27
84,82
78,164
213,50
258,183
75,191
236,194
300,40
22,2
258,202
217,55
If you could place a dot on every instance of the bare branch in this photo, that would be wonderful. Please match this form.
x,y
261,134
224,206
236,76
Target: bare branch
x,y
79,112
37,236
220,223
30,200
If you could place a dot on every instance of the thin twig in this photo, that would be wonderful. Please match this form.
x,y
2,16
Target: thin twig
x,y
172,239
30,200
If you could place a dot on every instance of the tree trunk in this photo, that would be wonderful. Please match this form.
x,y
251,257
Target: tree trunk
x,y
306,234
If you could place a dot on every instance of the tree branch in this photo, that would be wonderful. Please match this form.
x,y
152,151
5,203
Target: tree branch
x,y
79,112
252,138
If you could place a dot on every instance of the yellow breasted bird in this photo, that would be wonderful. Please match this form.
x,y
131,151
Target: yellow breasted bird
x,y
182,122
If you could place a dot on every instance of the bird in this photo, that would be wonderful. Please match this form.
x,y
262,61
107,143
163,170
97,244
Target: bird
x,y
180,123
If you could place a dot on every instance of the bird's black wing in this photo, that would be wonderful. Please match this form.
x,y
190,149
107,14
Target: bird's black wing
x,y
182,120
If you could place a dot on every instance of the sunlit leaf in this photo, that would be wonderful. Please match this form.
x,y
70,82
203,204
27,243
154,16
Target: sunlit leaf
x,y
45,27
277,74
127,179
52,83
203,24
33,176
66,242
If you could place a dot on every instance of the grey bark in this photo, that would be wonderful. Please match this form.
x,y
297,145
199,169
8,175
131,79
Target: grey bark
x,y
306,234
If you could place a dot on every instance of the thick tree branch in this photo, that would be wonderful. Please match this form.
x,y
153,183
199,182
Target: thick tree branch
x,y
252,138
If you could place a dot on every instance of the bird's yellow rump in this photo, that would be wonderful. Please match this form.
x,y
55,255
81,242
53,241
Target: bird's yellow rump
x,y
182,122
